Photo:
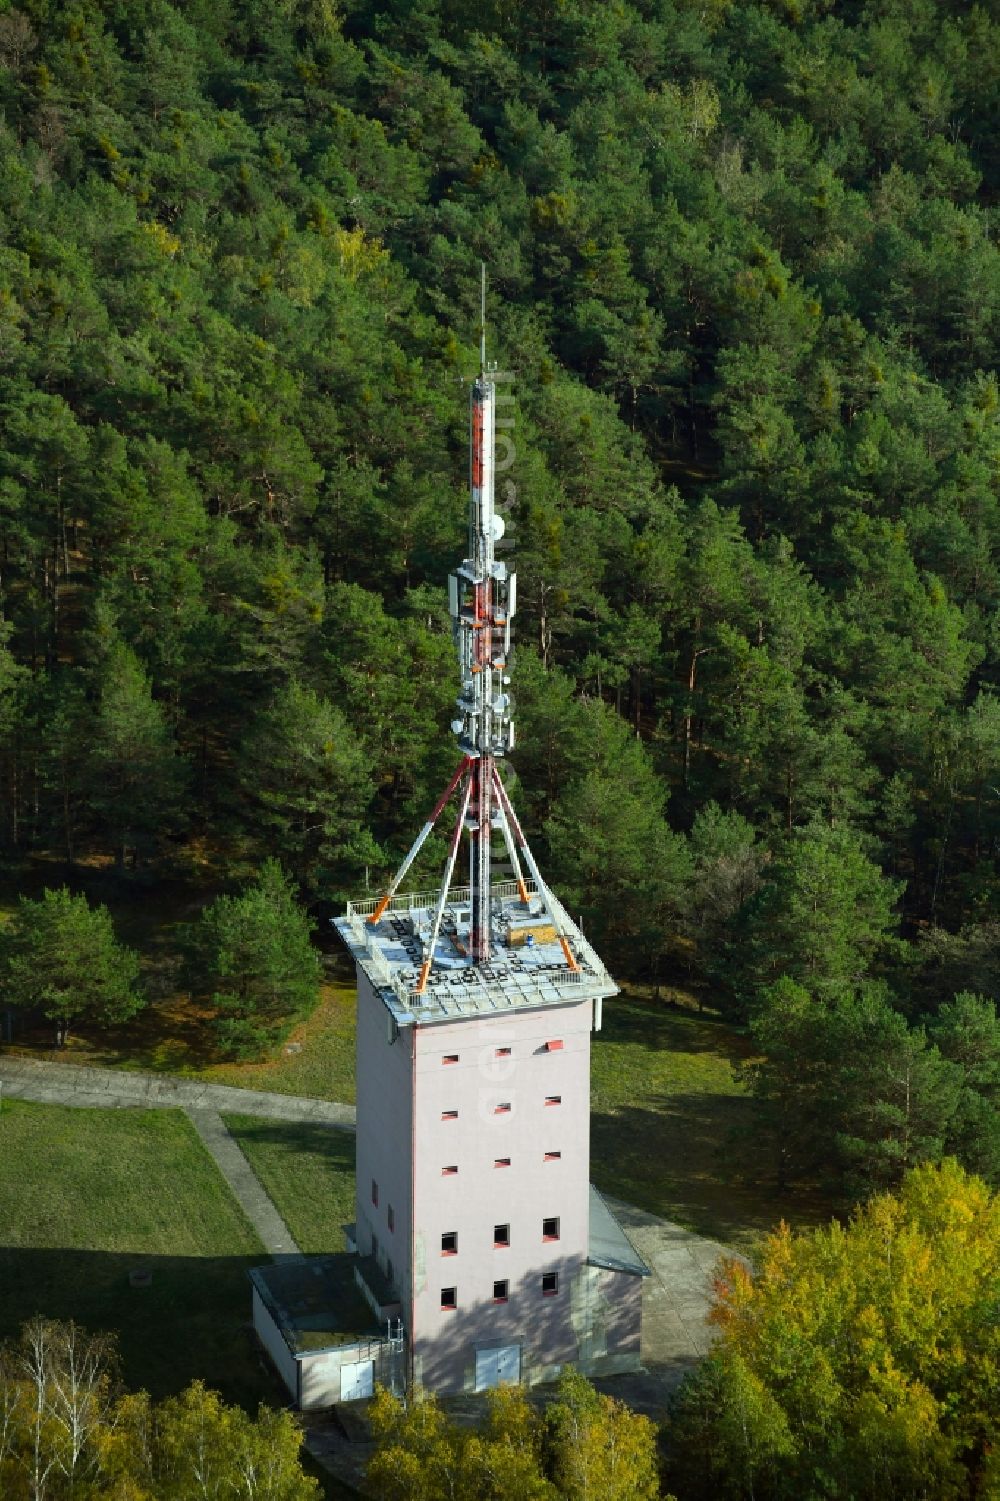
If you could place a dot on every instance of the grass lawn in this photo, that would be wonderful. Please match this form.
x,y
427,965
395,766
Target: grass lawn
x,y
674,1131
171,1036
308,1170
317,1059
86,1196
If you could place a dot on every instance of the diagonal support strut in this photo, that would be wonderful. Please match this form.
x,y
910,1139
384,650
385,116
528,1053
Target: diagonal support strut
x,y
417,844
536,874
449,871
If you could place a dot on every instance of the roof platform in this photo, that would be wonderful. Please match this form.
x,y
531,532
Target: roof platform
x,y
315,1301
528,965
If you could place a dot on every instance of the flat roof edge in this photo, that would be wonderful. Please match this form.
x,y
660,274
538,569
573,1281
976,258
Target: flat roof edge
x,y
613,1242
492,994
258,1278
608,1264
402,1018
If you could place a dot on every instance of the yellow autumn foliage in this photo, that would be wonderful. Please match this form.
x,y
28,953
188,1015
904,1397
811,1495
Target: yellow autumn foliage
x,y
166,243
871,1349
358,253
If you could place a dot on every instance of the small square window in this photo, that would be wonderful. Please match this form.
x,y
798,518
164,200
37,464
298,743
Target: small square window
x,y
501,1235
450,1058
551,1156
503,1108
449,1115
449,1243
374,1192
501,1162
550,1284
554,1045
550,1229
500,1291
501,1052
449,1297
446,1172
391,1217
553,1099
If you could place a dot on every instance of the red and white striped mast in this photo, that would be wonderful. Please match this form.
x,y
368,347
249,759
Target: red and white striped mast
x,y
482,597
482,645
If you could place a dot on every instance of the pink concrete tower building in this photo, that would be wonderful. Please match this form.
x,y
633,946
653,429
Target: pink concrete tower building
x,y
478,1233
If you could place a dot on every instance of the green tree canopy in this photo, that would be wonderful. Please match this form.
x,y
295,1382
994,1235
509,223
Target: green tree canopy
x,y
967,1032
745,296
71,1431
848,1089
607,833
824,914
252,956
727,868
307,780
586,1445
60,956
597,1447
136,776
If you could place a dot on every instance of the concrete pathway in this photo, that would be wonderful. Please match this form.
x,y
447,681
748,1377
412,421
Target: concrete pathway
x,y
75,1084
246,1186
676,1299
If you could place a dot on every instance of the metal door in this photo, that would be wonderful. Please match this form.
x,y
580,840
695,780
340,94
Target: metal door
x,y
499,1366
357,1380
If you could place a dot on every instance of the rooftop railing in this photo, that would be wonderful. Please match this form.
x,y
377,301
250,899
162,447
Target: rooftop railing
x,y
410,901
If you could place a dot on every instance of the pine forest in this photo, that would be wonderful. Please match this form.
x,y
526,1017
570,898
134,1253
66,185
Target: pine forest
x,y
743,297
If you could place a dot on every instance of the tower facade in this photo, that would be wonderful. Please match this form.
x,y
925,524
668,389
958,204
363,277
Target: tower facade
x,y
476,1223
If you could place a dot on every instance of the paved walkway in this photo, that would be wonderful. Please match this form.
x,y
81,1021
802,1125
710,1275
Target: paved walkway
x,y
74,1084
247,1188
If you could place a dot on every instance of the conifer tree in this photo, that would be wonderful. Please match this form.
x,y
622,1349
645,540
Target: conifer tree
x,y
136,775
60,956
252,956
307,780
